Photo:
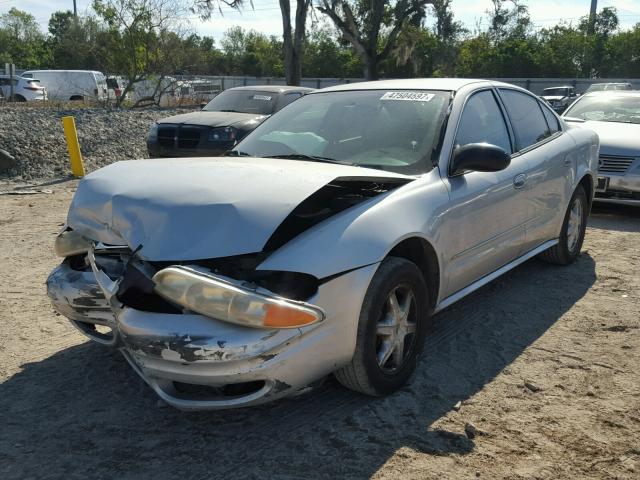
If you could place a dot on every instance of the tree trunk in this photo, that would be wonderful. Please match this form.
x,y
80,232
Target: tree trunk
x,y
370,62
292,40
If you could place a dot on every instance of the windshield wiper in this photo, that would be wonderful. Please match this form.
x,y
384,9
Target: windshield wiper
x,y
311,158
229,110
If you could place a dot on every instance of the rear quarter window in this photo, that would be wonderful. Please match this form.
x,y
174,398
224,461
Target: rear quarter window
x,y
552,120
526,117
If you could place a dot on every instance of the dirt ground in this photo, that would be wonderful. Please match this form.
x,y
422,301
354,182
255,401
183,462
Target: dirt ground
x,y
545,362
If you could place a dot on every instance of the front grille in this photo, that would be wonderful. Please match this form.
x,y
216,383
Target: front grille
x,y
179,136
188,137
166,135
614,164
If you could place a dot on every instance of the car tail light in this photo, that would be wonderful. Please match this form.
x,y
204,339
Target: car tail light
x,y
33,87
118,92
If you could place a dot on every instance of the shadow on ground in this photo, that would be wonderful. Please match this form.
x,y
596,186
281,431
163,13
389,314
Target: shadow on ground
x,y
619,218
83,412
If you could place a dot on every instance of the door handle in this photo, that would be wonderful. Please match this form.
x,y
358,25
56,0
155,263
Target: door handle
x,y
520,180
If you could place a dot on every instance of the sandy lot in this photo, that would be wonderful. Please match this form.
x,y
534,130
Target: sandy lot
x,y
72,409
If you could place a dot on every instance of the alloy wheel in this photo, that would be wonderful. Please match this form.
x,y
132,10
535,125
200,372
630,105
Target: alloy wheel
x,y
395,330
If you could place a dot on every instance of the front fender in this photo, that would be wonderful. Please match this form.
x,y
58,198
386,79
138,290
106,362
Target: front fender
x,y
364,234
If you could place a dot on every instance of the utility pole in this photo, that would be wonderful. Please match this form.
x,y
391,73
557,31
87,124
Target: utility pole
x,y
592,17
75,9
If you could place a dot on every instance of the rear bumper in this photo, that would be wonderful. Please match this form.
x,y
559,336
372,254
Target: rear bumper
x,y
172,350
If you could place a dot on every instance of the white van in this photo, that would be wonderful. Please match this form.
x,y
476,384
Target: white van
x,y
65,85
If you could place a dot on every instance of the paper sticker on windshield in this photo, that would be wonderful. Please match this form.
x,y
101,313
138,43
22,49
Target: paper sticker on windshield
x,y
262,97
408,96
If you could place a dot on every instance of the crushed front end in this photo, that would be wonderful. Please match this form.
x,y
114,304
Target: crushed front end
x,y
210,334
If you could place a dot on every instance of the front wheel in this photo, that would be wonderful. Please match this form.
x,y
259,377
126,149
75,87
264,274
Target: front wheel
x,y
391,330
573,229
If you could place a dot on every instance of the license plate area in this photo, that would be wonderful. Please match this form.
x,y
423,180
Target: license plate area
x,y
603,184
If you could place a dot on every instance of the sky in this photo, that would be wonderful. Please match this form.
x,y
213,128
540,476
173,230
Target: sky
x,y
265,17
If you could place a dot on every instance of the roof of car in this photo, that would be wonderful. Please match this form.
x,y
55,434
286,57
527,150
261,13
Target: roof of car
x,y
63,71
450,84
560,86
273,88
613,93
610,83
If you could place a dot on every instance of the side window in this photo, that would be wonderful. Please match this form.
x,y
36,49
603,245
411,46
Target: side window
x,y
552,120
526,117
288,98
482,122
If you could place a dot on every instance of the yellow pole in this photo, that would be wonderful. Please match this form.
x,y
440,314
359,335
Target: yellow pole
x,y
77,167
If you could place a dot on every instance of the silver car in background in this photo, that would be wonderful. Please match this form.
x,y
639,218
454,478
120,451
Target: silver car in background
x,y
615,117
325,241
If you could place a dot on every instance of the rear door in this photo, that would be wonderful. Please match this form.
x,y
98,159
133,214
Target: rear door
x,y
484,228
541,145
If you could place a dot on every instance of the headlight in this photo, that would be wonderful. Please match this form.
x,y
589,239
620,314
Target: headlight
x,y
153,133
70,243
222,134
222,300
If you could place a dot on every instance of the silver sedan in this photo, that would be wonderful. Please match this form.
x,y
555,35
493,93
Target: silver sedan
x,y
325,241
615,117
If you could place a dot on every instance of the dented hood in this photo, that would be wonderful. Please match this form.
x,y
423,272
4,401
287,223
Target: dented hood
x,y
197,208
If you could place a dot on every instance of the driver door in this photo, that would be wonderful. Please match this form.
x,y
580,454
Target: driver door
x,y
484,227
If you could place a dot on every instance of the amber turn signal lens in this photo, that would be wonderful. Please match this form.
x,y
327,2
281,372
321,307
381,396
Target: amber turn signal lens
x,y
282,316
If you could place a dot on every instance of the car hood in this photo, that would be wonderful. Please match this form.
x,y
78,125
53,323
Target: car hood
x,y
212,119
199,208
616,138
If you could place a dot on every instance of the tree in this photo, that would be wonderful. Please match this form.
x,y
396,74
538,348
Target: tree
x,y
448,33
372,27
293,39
324,56
141,38
21,41
252,53
598,31
74,41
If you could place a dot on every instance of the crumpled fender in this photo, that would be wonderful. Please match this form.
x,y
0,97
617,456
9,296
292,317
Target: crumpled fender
x,y
365,234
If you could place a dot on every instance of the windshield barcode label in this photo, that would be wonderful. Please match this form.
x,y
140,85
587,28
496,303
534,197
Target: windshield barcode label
x,y
408,96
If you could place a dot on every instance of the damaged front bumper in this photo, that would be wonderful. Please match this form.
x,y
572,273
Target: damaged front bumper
x,y
194,362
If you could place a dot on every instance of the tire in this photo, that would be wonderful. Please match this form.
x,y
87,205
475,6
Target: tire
x,y
369,372
18,98
569,244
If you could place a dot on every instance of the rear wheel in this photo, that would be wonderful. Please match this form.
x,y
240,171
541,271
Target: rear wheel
x,y
18,98
573,229
391,330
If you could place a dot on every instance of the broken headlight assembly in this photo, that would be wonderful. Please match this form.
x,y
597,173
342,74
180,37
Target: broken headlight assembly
x,y
219,299
70,243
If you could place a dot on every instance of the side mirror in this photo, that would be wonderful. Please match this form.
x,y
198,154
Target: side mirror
x,y
479,157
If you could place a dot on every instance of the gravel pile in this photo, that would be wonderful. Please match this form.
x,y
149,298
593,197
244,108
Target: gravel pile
x,y
33,135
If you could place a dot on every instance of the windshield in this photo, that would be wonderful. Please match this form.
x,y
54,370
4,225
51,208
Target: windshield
x,y
555,92
243,101
607,108
388,130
